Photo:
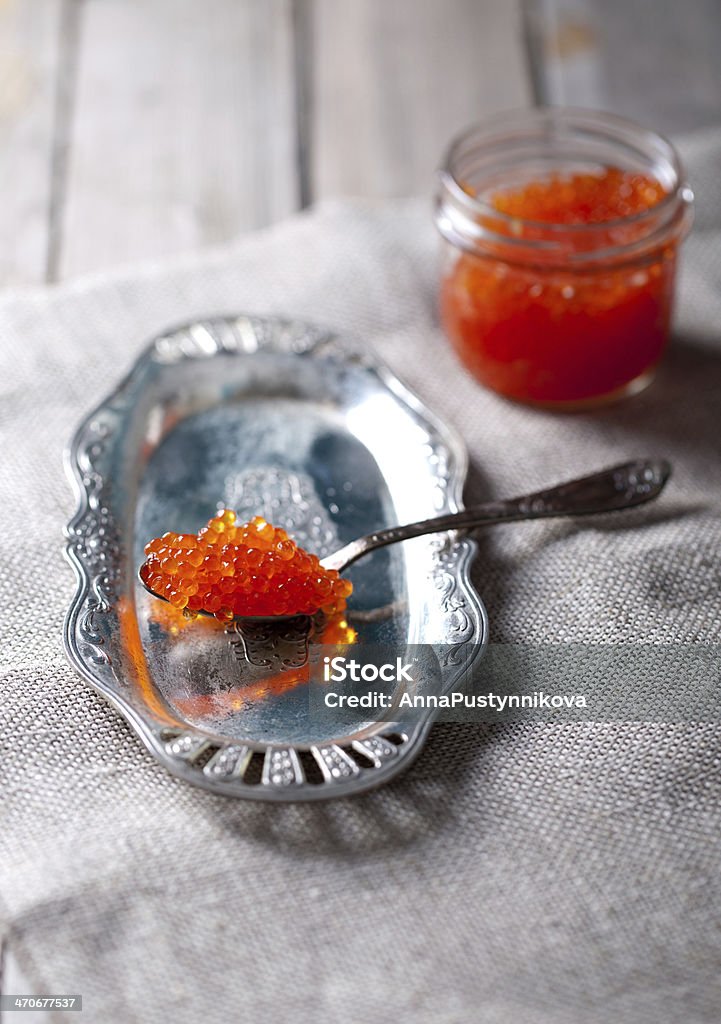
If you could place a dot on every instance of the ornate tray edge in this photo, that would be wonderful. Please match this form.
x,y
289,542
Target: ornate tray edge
x,y
180,750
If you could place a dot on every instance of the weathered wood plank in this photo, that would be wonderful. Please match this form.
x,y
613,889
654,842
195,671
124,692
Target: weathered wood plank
x,y
653,60
184,127
29,48
392,81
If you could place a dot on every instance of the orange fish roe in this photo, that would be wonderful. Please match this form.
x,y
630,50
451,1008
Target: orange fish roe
x,y
564,327
581,198
326,629
230,569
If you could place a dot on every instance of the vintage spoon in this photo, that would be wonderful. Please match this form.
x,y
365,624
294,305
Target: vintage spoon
x,y
611,490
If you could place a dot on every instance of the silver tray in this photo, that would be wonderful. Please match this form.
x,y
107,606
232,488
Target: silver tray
x,y
278,418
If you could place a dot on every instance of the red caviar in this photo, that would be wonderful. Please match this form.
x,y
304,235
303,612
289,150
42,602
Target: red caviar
x,y
231,569
564,330
581,198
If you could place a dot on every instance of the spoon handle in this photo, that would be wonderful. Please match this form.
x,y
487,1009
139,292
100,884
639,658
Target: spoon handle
x,y
613,489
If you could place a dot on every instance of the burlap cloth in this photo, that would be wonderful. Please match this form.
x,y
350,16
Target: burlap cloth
x,y
524,874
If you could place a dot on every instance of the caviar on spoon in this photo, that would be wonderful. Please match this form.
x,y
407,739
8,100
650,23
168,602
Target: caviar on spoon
x,y
255,569
230,569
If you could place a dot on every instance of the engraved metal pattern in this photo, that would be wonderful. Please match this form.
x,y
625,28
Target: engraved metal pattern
x,y
376,749
281,767
227,762
92,542
102,623
454,601
284,499
335,763
272,645
187,746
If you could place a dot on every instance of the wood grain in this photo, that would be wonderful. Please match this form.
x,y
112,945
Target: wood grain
x,y
656,61
184,127
392,81
131,129
30,36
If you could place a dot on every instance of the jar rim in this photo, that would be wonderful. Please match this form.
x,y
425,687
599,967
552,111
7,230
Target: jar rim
x,y
600,126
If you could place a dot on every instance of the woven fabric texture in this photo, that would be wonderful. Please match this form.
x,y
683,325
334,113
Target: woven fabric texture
x,y
534,873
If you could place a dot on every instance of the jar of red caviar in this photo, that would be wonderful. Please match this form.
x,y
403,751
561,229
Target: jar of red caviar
x,y
561,230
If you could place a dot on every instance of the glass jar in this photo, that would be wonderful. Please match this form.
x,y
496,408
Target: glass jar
x,y
558,314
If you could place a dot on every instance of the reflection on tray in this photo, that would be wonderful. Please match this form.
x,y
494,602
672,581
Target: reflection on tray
x,y
279,649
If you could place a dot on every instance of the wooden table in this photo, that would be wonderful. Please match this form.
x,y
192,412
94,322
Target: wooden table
x,y
133,129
